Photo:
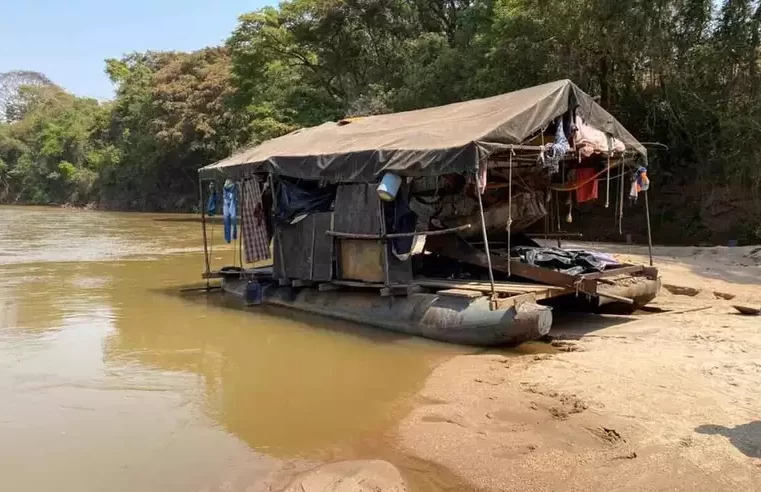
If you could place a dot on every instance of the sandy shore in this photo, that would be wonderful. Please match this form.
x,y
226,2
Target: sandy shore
x,y
656,401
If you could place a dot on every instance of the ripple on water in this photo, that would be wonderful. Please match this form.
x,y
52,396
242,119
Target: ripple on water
x,y
105,367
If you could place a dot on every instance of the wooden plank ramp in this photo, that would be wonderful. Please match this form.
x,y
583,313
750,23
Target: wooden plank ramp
x,y
515,288
466,294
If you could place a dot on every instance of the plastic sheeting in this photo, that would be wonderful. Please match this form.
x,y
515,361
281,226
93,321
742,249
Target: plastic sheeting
x,y
400,218
293,199
571,262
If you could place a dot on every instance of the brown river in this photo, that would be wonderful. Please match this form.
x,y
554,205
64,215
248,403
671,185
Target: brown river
x,y
112,378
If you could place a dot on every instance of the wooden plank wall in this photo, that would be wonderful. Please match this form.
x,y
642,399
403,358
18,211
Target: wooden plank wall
x,y
357,212
303,250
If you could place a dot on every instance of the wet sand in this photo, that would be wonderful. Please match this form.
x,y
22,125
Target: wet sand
x,y
651,401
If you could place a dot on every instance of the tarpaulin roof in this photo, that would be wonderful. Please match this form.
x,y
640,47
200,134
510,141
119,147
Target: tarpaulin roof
x,y
431,141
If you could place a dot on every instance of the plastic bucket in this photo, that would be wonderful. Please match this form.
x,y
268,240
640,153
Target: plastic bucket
x,y
389,186
253,293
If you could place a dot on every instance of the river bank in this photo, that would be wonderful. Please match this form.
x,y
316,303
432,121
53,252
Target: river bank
x,y
168,204
664,400
115,380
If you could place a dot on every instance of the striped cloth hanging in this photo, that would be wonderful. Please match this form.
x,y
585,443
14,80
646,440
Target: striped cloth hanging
x,y
256,242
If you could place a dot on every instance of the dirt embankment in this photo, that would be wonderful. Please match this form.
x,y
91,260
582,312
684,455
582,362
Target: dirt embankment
x,y
654,401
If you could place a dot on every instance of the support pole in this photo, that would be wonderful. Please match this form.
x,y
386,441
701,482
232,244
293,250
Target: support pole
x,y
384,242
607,179
618,193
510,212
203,227
621,200
557,196
240,233
437,232
485,235
649,236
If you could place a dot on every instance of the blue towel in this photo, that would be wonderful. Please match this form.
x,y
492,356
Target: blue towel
x,y
211,205
230,205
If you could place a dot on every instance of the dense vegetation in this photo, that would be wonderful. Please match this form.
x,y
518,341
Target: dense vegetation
x,y
684,73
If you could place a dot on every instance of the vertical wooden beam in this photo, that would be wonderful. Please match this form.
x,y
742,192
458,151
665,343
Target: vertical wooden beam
x,y
621,201
203,227
483,232
240,214
384,241
311,249
649,236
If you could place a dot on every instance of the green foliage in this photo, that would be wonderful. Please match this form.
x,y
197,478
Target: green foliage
x,y
171,115
681,72
45,150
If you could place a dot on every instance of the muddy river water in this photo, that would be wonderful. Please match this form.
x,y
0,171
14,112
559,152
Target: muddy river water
x,y
113,379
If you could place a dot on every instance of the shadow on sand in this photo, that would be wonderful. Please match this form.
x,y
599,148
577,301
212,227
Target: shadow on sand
x,y
745,437
575,325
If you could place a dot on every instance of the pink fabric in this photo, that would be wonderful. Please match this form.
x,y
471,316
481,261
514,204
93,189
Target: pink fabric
x,y
590,140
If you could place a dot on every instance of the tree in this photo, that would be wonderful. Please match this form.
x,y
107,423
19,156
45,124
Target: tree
x,y
171,115
681,72
12,97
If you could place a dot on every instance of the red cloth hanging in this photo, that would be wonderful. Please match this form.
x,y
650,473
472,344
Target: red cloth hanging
x,y
587,191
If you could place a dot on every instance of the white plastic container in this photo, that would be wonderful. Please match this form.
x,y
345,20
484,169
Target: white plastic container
x,y
389,186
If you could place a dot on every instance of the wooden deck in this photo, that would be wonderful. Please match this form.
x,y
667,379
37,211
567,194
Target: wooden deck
x,y
513,288
507,291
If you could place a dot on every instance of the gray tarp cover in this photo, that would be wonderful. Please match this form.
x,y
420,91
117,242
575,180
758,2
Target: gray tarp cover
x,y
431,141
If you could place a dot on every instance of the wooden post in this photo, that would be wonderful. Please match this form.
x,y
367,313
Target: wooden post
x,y
203,227
621,200
557,196
618,192
384,241
609,140
485,235
311,249
649,236
510,212
436,232
240,232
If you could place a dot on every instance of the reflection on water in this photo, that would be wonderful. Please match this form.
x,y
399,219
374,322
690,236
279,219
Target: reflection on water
x,y
110,379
